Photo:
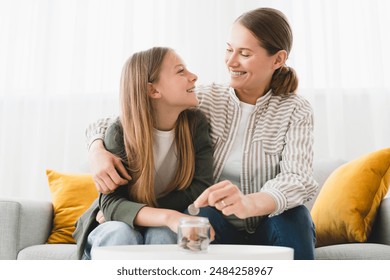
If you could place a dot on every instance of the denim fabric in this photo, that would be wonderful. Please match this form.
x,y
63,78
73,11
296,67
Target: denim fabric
x,y
293,228
118,233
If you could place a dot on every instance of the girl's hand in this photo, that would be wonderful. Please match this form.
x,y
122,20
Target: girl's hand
x,y
173,222
158,217
100,217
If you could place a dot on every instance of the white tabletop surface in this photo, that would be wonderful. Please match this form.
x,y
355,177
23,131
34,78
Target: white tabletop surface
x,y
168,252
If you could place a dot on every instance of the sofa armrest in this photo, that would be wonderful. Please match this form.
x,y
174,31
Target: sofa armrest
x,y
381,229
23,223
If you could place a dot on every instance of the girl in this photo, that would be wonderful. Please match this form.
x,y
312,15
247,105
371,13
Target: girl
x,y
165,148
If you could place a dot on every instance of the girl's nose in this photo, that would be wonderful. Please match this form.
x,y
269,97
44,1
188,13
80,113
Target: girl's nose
x,y
193,77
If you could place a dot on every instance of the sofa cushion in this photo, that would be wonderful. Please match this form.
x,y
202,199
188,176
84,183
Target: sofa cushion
x,y
353,251
49,252
72,194
321,171
346,207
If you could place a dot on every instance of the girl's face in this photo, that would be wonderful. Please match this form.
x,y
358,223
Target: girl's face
x,y
176,84
249,64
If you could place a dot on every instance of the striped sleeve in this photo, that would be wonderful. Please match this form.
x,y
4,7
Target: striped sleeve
x,y
294,184
96,130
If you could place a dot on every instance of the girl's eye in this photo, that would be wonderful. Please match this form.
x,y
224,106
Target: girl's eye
x,y
229,50
181,70
245,54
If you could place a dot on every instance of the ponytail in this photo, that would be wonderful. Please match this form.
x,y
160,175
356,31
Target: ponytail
x,y
284,81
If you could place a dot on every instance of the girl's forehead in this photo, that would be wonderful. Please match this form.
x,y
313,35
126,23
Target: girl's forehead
x,y
173,58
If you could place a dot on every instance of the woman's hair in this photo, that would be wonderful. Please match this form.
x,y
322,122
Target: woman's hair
x,y
274,33
138,120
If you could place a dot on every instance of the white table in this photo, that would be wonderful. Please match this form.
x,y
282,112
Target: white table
x,y
173,252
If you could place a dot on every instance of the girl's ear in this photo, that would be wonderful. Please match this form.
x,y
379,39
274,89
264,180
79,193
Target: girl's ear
x,y
280,59
152,91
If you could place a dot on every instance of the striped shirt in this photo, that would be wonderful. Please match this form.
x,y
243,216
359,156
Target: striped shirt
x,y
277,154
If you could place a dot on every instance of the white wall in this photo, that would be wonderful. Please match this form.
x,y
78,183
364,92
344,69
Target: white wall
x,y
60,63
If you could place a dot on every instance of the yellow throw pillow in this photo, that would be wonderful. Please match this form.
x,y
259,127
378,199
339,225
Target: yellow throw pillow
x,y
347,204
72,194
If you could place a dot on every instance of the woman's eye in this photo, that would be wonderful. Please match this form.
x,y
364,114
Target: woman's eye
x,y
245,54
229,50
181,70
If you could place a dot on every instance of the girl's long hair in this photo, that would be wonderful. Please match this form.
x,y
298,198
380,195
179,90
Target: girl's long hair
x,y
138,120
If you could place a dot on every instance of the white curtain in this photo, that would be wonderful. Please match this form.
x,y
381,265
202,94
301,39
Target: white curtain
x,y
60,62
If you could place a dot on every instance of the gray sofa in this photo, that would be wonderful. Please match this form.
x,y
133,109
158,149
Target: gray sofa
x,y
26,225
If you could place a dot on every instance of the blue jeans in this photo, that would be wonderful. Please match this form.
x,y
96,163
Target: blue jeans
x,y
293,228
114,233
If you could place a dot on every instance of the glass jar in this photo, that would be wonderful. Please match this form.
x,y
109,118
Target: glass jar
x,y
193,234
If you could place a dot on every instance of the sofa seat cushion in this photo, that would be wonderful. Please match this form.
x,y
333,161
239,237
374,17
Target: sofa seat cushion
x,y
354,251
49,252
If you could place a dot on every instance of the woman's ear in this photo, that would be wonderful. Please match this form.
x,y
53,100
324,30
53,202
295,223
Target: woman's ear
x,y
152,91
280,59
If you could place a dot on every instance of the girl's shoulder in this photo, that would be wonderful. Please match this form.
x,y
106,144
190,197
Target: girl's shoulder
x,y
195,114
113,138
198,121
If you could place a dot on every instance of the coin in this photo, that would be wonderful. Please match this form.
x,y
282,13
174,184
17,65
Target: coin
x,y
201,243
192,210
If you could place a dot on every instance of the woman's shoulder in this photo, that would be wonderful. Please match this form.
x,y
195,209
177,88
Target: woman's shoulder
x,y
292,100
212,89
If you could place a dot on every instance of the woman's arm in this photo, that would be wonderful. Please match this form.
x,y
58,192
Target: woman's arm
x,y
295,184
97,130
107,169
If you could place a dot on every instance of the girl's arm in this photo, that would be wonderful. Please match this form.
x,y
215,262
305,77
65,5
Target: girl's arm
x,y
156,217
117,207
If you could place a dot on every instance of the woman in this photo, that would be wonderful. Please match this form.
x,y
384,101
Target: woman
x,y
164,146
262,134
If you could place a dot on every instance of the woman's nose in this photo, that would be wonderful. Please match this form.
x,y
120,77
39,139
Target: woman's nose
x,y
232,61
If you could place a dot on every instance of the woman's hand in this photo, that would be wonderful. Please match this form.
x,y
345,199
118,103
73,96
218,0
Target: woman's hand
x,y
229,199
107,169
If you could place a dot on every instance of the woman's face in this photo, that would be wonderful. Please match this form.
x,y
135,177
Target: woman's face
x,y
176,84
249,64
